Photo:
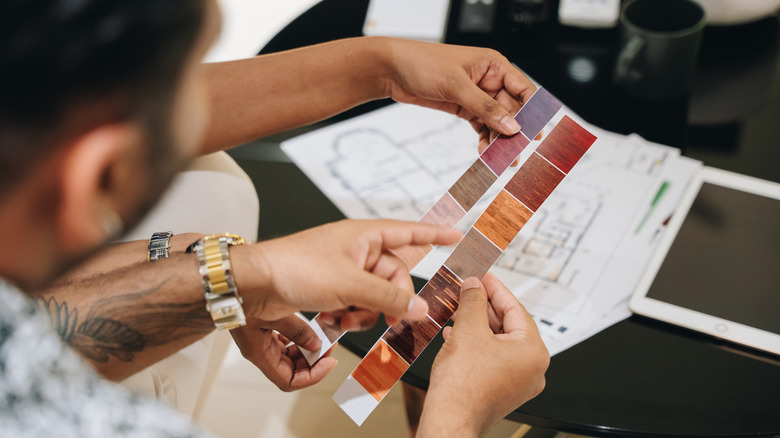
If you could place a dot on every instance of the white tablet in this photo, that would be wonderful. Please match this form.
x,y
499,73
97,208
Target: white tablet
x,y
717,267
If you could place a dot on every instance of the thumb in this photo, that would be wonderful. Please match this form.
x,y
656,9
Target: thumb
x,y
472,310
298,331
479,103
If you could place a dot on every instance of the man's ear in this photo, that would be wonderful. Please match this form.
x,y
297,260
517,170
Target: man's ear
x,y
91,195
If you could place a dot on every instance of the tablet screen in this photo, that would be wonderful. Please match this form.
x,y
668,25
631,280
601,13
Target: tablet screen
x,y
725,259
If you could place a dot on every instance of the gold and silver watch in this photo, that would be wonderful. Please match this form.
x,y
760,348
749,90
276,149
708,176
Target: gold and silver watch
x,y
222,299
159,245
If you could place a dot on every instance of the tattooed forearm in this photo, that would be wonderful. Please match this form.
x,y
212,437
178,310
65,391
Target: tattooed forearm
x,y
125,324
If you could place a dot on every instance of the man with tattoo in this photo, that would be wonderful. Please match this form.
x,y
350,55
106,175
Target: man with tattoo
x,y
101,103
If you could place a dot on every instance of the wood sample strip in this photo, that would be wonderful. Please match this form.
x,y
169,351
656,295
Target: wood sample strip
x,y
475,254
464,193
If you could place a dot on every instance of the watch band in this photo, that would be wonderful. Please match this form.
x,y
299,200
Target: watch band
x,y
159,245
222,299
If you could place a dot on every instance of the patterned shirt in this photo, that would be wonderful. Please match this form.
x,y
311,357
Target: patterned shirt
x,y
46,389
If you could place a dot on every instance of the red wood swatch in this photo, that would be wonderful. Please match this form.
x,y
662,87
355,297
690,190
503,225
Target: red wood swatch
x,y
566,144
534,181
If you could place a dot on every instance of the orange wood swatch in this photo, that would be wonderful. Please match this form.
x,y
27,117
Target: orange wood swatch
x,y
379,370
503,219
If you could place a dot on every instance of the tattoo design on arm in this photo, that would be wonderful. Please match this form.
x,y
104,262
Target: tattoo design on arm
x,y
126,324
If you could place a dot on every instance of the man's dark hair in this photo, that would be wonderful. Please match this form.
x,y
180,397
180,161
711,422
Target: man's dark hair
x,y
68,65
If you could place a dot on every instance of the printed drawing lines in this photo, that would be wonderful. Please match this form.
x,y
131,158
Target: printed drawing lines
x,y
387,175
559,229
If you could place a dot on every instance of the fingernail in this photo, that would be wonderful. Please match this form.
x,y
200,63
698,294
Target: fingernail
x,y
417,309
471,283
509,124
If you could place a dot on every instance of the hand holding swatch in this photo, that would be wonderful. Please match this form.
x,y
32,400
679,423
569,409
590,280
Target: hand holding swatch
x,y
403,342
461,197
507,345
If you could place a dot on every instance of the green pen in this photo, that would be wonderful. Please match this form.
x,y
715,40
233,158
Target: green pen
x,y
664,185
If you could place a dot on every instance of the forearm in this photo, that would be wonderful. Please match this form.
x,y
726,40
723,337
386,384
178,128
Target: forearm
x,y
122,255
256,97
122,320
440,418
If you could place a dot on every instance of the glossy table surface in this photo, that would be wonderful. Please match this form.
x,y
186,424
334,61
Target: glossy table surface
x,y
639,377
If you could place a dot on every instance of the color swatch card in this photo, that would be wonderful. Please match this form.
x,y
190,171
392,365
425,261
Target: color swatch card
x,y
461,197
572,265
525,192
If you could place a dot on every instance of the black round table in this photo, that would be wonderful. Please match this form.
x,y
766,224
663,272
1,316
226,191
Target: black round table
x,y
639,377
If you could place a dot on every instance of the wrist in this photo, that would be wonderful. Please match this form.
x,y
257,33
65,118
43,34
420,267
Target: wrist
x,y
446,417
254,275
375,66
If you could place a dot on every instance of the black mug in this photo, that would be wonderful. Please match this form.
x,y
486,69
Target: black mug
x,y
659,46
